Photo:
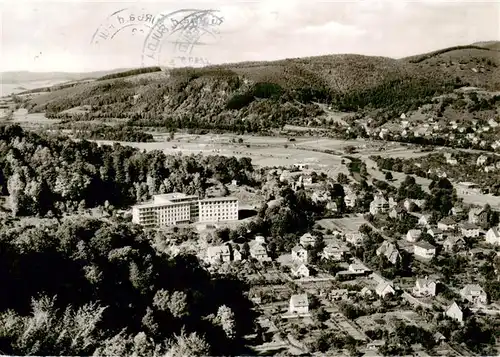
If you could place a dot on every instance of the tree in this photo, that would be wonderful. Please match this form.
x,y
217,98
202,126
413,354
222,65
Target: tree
x,y
321,315
187,345
342,178
225,317
388,176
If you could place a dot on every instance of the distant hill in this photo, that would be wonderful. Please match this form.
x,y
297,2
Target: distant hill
x,y
26,76
253,96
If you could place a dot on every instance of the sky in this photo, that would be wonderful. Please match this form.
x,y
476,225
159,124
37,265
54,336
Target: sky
x,y
69,36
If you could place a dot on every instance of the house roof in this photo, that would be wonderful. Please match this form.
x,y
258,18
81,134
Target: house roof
x,y
454,305
472,289
218,249
415,232
448,221
435,230
382,286
308,237
424,245
495,231
469,226
298,248
476,211
423,283
453,240
299,300
297,265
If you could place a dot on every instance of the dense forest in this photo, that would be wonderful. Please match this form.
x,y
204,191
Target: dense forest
x,y
86,287
45,174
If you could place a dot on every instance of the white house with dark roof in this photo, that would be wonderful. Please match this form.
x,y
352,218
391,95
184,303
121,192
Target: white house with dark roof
x,y
379,205
334,252
424,220
390,251
493,236
355,238
470,230
447,224
413,235
425,287
299,269
436,233
300,253
218,254
299,304
453,243
307,240
258,251
424,250
474,293
358,268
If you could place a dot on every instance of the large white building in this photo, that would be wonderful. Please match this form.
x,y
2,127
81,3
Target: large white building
x,y
175,208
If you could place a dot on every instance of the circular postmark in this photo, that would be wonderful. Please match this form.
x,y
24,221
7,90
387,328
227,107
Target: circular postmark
x,y
136,21
181,38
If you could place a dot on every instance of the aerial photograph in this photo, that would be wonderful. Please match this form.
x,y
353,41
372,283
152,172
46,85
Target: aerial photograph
x,y
250,178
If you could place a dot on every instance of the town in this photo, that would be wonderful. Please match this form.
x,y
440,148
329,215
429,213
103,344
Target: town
x,y
381,270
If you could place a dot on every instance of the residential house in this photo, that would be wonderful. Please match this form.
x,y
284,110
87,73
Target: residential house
x,y
300,253
334,252
258,251
397,212
424,250
457,211
332,207
453,244
355,238
299,304
436,233
470,230
474,293
379,205
358,268
424,220
455,312
320,196
390,251
413,235
338,294
447,224
299,269
425,287
392,203
478,216
307,240
384,288
218,254
493,236
236,255
350,199
366,292
482,160
285,175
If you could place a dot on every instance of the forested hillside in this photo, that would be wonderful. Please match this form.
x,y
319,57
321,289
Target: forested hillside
x,y
56,175
87,287
255,96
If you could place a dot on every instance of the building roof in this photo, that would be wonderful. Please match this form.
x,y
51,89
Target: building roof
x,y
298,248
469,226
423,283
299,300
382,286
415,232
424,245
448,221
495,231
215,199
472,289
218,249
296,265
454,305
308,237
453,240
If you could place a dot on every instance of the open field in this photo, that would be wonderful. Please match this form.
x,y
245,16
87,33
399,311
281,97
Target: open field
x,y
346,224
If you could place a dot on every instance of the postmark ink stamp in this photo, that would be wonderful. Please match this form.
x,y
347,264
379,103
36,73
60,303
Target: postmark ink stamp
x,y
180,38
137,21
